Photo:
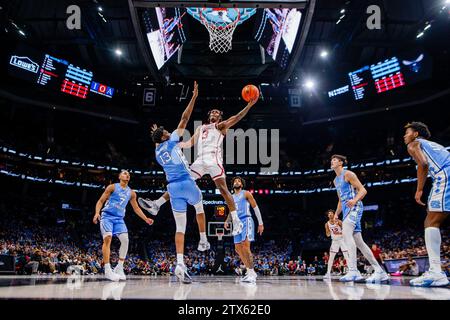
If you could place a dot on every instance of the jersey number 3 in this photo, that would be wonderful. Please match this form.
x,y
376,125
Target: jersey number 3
x,y
165,157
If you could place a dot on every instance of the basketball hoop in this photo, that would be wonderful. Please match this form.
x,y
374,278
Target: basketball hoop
x,y
219,233
221,31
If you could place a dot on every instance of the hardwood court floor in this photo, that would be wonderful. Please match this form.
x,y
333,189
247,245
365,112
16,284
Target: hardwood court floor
x,y
210,287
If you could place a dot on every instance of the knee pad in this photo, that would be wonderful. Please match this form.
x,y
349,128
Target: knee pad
x,y
180,221
123,237
199,207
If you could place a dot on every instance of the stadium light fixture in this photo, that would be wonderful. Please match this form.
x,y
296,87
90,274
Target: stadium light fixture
x,y
309,84
324,54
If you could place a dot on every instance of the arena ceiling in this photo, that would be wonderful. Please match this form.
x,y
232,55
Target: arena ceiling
x,y
347,39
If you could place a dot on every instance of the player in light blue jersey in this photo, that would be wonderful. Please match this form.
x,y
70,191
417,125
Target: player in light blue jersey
x,y
116,196
243,200
181,186
350,193
433,159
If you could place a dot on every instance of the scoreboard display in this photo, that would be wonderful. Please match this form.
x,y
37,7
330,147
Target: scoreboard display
x,y
56,74
387,75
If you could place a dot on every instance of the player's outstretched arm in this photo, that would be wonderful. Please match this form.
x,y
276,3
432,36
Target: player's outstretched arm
x,y
255,207
338,209
192,141
188,111
138,210
354,181
226,124
105,196
327,230
422,169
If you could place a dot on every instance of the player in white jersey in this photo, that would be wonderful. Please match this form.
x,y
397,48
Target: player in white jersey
x,y
209,139
333,228
433,159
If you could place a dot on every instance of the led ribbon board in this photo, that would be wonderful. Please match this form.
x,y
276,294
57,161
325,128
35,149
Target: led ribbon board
x,y
55,74
102,89
385,76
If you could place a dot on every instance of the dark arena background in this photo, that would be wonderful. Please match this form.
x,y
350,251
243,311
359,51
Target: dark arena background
x,y
82,82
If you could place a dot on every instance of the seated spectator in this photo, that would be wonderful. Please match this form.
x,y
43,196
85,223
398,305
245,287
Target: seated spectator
x,y
311,270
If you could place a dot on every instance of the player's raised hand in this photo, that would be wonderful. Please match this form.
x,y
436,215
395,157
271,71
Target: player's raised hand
x,y
96,218
195,91
260,229
153,128
252,102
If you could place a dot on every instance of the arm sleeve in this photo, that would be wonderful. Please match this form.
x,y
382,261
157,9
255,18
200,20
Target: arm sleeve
x,y
174,136
258,215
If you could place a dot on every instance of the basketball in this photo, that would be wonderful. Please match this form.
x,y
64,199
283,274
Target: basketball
x,y
250,92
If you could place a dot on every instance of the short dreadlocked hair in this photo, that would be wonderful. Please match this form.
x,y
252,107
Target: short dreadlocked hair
x,y
328,212
340,157
240,178
220,111
419,127
158,134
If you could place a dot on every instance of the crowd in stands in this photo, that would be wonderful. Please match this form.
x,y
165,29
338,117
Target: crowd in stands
x,y
46,250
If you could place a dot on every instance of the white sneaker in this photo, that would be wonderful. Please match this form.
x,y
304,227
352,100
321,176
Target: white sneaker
x,y
352,276
250,277
119,271
149,205
378,277
182,274
430,279
327,276
110,275
238,226
203,246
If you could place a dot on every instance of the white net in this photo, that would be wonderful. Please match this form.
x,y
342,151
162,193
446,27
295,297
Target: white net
x,y
220,33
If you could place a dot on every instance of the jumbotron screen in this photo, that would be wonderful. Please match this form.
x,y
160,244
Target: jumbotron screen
x,y
277,32
55,73
165,32
386,75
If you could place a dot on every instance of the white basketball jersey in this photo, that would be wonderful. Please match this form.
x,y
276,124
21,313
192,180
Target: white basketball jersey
x,y
209,143
335,230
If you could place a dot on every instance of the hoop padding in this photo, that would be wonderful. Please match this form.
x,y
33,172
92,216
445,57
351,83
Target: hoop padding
x,y
220,34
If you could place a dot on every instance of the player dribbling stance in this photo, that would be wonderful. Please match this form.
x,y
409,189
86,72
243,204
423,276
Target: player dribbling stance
x,y
181,186
244,199
333,228
350,193
434,159
111,217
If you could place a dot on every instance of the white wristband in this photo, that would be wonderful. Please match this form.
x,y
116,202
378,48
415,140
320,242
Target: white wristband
x,y
258,215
